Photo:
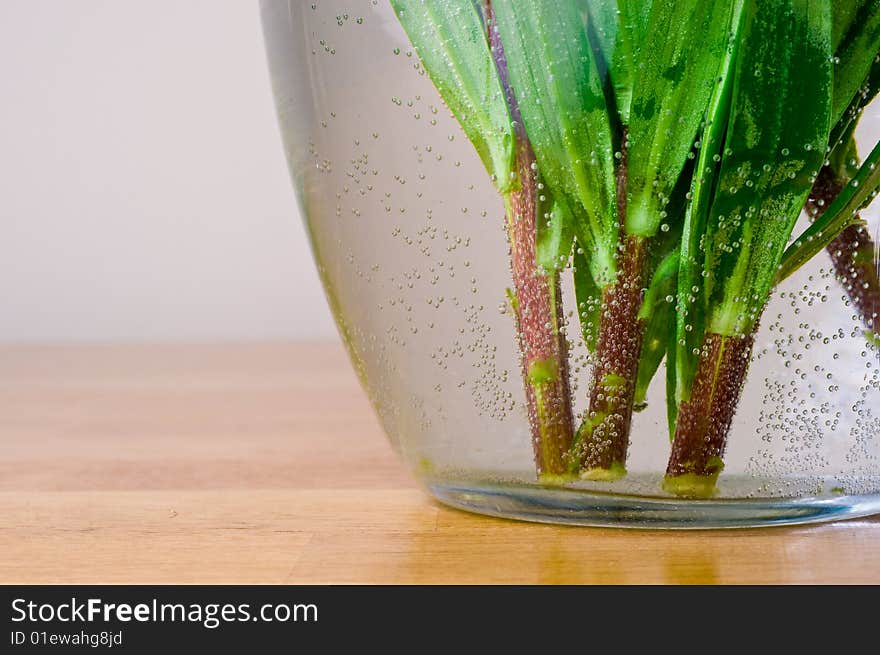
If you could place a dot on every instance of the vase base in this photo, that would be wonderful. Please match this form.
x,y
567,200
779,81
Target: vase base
x,y
570,506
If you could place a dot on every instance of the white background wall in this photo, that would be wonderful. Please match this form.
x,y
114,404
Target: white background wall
x,y
143,191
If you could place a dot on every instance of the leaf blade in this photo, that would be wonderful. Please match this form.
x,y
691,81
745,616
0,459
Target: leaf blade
x,y
658,314
559,94
676,77
620,28
856,42
692,307
554,234
450,39
774,148
842,213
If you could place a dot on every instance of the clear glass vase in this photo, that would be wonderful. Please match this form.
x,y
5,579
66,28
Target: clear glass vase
x,y
565,246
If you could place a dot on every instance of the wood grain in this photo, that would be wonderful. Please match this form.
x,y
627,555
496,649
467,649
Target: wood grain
x,y
188,464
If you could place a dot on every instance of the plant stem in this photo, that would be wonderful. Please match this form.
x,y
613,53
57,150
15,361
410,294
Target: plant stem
x,y
603,438
538,311
705,418
537,302
852,252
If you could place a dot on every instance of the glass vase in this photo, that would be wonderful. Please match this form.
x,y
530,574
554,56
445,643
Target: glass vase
x,y
573,251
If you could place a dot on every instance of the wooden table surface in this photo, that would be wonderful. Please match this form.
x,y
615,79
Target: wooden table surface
x,y
265,464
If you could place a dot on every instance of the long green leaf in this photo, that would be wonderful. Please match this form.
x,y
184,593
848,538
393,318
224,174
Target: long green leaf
x,y
842,213
844,157
856,43
559,93
854,38
676,75
691,297
843,20
658,313
450,39
775,144
620,29
672,384
555,233
864,95
658,310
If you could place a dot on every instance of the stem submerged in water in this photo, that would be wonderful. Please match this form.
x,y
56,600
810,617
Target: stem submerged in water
x,y
538,310
537,302
704,419
603,438
852,253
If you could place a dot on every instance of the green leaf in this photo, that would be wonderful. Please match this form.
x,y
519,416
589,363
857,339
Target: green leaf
x,y
675,79
559,93
661,267
844,20
846,124
620,28
450,39
555,234
672,385
844,157
854,28
691,297
781,109
856,42
658,313
842,213
588,297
